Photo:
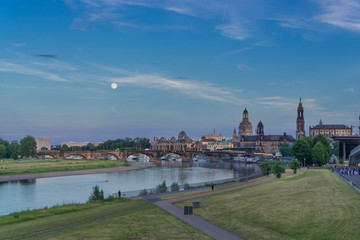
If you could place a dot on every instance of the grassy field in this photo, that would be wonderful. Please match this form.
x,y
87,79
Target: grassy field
x,y
126,219
9,167
172,196
314,204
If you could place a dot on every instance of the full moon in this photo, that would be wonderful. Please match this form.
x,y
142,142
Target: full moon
x,y
113,85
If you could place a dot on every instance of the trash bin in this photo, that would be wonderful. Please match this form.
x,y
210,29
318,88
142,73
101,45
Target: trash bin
x,y
196,204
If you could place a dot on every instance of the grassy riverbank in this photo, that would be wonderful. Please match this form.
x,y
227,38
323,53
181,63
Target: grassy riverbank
x,y
12,167
314,204
118,219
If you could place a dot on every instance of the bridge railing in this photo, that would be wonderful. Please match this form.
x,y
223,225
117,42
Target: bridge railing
x,y
152,191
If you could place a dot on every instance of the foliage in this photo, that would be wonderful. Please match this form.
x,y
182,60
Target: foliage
x,y
2,150
143,192
286,150
302,150
321,138
161,188
265,168
295,164
44,149
175,187
14,150
341,161
187,186
319,154
27,147
97,194
277,169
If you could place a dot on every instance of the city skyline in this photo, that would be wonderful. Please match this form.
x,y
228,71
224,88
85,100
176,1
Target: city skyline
x,y
177,64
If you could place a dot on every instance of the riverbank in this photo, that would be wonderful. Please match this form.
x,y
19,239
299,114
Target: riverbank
x,y
70,172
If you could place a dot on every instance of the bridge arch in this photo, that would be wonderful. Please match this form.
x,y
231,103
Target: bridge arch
x,y
66,156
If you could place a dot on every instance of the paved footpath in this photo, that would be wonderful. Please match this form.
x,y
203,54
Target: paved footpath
x,y
197,222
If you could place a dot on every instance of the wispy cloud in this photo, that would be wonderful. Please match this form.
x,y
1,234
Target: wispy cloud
x,y
191,88
243,67
18,44
341,13
350,89
6,66
47,56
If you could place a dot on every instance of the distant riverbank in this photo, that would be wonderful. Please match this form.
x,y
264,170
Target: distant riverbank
x,y
134,166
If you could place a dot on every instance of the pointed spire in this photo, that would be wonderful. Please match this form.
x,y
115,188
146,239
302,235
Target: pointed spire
x,y
300,103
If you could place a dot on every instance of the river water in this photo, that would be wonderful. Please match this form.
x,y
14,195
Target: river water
x,y
46,192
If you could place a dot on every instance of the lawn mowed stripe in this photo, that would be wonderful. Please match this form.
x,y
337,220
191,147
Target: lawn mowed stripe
x,y
118,220
314,204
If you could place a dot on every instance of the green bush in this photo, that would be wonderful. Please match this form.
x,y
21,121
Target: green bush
x,y
187,186
97,194
161,188
175,187
143,192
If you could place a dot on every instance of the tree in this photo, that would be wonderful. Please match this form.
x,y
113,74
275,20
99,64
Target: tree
x,y
27,147
265,168
321,138
14,149
277,169
97,194
2,150
294,165
302,150
64,147
335,148
286,150
319,153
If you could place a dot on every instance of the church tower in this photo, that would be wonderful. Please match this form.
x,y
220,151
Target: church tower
x,y
300,122
234,138
260,130
245,127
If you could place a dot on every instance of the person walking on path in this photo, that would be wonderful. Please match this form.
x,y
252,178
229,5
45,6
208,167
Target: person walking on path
x,y
212,187
119,192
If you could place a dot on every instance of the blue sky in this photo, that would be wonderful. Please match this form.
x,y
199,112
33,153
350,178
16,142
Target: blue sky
x,y
178,64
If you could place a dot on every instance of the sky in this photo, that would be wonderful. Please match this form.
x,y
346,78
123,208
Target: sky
x,y
184,64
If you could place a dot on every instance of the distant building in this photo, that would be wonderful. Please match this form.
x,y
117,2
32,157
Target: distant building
x,y
43,143
330,130
258,142
300,122
183,143
80,144
245,127
214,146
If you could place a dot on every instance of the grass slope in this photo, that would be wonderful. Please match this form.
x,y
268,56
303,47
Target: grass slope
x,y
115,220
10,167
314,204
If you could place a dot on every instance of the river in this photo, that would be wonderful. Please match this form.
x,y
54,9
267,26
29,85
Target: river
x,y
46,192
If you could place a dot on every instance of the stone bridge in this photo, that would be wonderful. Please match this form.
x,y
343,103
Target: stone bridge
x,y
122,155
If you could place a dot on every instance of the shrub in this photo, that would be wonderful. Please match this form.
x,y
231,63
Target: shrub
x,y
187,186
161,188
175,187
143,192
277,169
265,168
97,194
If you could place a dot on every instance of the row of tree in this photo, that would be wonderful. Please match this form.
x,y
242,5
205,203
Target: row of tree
x,y
118,144
310,150
26,148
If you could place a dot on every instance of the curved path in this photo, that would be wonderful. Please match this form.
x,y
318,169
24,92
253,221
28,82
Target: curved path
x,y
136,166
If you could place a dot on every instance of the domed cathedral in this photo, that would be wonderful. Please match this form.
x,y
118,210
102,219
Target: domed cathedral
x,y
182,135
300,122
245,127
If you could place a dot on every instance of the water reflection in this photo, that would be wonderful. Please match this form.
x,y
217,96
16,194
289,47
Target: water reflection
x,y
42,192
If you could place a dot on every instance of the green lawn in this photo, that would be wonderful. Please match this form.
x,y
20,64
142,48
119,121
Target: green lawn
x,y
106,220
22,166
313,204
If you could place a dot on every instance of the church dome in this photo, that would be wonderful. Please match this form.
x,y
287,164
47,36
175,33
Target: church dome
x,y
182,135
245,127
